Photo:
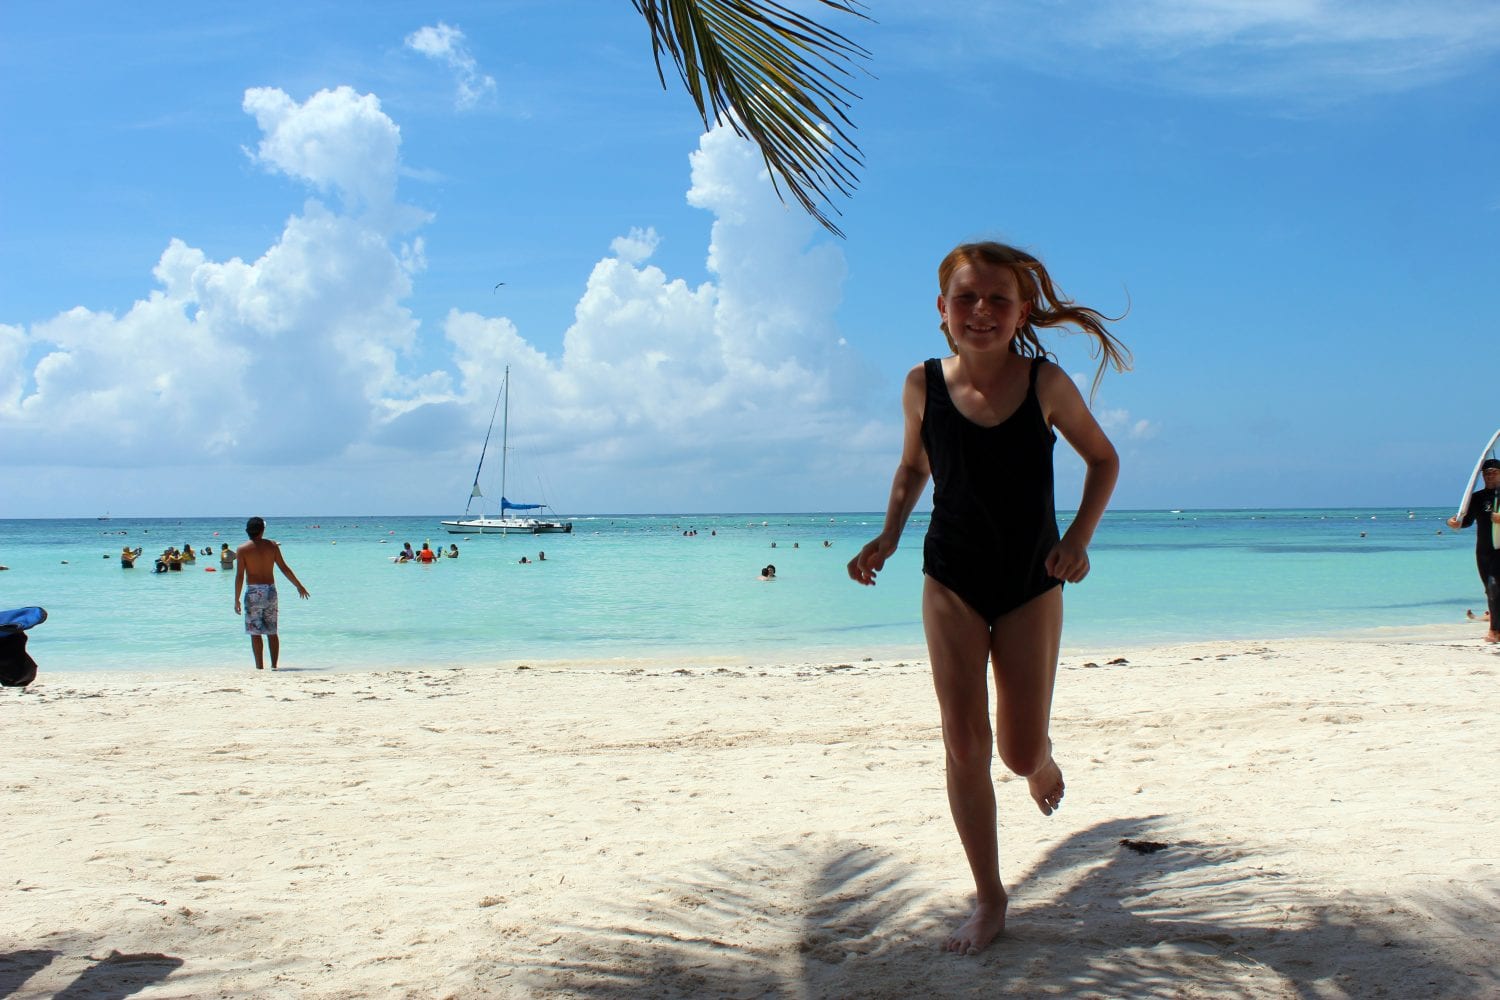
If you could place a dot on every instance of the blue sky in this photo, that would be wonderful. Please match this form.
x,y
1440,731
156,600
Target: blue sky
x,y
248,256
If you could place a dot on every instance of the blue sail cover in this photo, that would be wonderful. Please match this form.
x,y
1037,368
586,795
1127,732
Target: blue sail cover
x,y
506,505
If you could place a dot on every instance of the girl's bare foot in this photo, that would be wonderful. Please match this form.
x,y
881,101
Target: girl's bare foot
x,y
1047,787
1492,636
986,923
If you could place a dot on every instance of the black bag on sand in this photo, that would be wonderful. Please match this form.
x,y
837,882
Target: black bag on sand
x,y
17,668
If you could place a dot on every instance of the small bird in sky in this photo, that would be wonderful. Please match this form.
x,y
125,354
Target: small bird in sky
x,y
497,285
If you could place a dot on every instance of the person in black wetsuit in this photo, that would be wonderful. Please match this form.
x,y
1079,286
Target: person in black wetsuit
x,y
1484,508
981,425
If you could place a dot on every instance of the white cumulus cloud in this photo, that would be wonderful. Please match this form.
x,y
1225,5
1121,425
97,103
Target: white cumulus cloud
x,y
277,359
445,43
707,395
637,246
692,391
335,141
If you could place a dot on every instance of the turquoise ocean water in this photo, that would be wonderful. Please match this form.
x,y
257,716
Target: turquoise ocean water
x,y
636,587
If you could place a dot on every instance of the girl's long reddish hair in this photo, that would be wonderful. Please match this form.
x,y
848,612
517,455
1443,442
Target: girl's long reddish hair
x,y
1049,307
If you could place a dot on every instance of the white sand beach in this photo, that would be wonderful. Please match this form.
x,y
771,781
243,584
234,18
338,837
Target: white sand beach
x,y
1328,812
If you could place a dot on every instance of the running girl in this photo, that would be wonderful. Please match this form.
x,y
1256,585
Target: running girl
x,y
981,424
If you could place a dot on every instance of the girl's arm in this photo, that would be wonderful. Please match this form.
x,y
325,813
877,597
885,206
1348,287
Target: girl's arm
x,y
906,488
1065,410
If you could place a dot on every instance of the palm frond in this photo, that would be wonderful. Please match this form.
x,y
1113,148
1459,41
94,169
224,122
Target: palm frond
x,y
776,77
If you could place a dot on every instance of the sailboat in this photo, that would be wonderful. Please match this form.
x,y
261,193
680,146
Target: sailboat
x,y
504,524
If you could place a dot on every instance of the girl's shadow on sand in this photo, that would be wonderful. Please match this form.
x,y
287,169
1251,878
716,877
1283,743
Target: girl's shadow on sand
x,y
1095,919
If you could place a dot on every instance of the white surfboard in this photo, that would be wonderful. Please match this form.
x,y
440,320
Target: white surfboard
x,y
1463,506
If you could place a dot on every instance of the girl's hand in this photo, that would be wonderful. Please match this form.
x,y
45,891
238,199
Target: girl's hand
x,y
1068,562
870,561
1453,522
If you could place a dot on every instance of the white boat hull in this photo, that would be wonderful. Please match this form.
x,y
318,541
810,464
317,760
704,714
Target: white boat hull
x,y
507,526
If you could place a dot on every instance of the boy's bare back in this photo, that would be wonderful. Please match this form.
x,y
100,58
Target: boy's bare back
x,y
258,559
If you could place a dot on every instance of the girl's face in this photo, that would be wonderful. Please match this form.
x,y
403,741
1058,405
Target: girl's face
x,y
982,307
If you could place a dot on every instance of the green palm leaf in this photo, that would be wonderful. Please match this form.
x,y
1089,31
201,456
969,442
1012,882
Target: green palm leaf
x,y
776,77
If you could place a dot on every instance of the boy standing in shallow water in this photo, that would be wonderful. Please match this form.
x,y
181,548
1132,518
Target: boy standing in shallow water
x,y
981,424
255,562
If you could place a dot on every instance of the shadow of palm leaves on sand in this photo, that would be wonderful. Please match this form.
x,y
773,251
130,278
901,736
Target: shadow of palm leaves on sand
x,y
1207,920
746,928
117,976
114,976
1093,919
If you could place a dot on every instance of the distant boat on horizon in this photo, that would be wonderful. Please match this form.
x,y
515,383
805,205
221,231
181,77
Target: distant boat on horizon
x,y
503,524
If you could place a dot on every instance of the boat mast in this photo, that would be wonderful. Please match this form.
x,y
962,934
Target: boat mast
x,y
475,491
504,443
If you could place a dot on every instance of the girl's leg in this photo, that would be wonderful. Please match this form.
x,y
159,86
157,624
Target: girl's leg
x,y
1024,648
958,644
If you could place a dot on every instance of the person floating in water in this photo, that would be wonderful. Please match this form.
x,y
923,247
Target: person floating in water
x,y
255,564
1484,510
981,425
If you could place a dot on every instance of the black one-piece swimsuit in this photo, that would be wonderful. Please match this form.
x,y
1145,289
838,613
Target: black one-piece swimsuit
x,y
993,519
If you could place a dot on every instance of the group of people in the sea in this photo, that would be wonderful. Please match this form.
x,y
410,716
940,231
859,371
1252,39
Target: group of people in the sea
x,y
426,554
173,559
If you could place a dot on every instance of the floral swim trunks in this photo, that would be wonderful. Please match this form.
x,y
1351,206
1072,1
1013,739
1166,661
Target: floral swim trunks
x,y
260,609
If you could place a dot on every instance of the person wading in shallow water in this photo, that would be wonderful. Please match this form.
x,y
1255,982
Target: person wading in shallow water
x,y
981,425
255,564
